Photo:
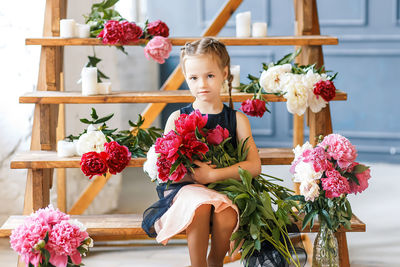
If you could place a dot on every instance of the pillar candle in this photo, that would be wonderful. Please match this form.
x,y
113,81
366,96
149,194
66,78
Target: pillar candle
x,y
89,81
67,28
83,30
243,24
104,88
235,71
259,29
65,149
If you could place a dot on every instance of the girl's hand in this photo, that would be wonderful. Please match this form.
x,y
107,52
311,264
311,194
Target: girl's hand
x,y
204,174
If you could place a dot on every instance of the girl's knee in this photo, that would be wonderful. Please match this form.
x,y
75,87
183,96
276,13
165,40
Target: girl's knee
x,y
227,219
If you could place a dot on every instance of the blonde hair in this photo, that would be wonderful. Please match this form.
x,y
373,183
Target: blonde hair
x,y
214,48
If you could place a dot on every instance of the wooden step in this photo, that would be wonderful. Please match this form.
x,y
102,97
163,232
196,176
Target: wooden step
x,y
180,41
178,96
37,159
128,226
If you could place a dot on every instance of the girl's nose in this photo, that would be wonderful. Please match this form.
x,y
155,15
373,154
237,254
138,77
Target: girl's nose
x,y
203,82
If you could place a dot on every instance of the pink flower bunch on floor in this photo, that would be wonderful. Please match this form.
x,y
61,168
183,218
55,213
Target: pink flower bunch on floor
x,y
49,238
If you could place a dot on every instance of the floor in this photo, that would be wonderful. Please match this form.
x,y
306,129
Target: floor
x,y
378,207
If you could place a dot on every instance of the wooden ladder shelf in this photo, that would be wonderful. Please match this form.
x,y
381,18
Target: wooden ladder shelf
x,y
49,100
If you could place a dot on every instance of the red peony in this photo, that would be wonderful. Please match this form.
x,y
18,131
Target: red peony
x,y
93,163
118,156
188,123
130,32
179,173
168,145
192,147
325,89
217,135
163,167
158,28
158,49
111,33
254,107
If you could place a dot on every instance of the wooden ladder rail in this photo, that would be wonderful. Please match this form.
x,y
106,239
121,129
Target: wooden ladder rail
x,y
151,112
320,123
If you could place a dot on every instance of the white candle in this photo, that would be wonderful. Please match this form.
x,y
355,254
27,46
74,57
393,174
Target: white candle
x,y
65,149
67,28
89,81
104,88
83,30
259,29
243,23
235,71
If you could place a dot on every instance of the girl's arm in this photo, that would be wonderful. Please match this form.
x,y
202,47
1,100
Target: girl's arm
x,y
207,174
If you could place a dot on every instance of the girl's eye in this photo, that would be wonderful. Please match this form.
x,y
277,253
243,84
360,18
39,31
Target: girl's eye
x,y
211,75
193,78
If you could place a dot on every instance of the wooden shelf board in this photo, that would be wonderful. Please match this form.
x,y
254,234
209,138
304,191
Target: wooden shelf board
x,y
180,41
128,226
177,96
48,159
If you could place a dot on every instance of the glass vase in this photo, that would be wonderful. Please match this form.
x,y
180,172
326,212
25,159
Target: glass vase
x,y
326,249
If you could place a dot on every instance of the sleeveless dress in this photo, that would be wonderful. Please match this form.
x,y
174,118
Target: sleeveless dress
x,y
186,198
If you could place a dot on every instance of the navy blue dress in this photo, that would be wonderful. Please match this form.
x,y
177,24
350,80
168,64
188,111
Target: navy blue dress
x,y
226,119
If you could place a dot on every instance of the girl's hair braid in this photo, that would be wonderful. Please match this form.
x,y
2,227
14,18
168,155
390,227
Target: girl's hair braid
x,y
213,47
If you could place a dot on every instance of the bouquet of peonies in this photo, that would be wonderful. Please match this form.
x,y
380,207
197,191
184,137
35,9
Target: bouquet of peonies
x,y
327,173
49,238
172,158
302,86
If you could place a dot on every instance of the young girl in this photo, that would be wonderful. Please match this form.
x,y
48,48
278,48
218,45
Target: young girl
x,y
195,208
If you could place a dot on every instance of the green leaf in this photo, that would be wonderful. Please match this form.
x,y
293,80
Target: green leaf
x,y
276,234
246,178
94,114
327,218
308,217
86,121
46,256
254,231
257,245
297,198
104,119
288,58
360,168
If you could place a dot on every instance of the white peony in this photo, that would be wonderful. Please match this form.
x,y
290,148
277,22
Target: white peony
x,y
150,166
296,95
309,189
316,103
93,140
298,150
270,79
305,171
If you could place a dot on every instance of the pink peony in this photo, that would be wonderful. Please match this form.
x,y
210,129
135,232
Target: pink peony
x,y
64,240
24,238
318,157
188,123
335,184
340,149
325,89
179,173
169,145
217,135
158,49
362,180
50,215
254,107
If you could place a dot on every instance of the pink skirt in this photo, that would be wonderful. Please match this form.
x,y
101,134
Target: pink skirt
x,y
179,216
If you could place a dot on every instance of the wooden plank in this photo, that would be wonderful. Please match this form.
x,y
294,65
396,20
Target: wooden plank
x,y
180,41
128,226
178,96
222,17
48,159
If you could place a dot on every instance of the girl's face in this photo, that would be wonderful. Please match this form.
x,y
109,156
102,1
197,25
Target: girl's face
x,y
204,77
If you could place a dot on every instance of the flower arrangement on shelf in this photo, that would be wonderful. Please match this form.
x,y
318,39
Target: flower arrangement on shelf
x,y
264,215
49,238
103,149
327,173
108,25
302,86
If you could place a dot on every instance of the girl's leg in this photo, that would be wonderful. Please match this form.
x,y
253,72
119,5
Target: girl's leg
x,y
197,235
223,224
